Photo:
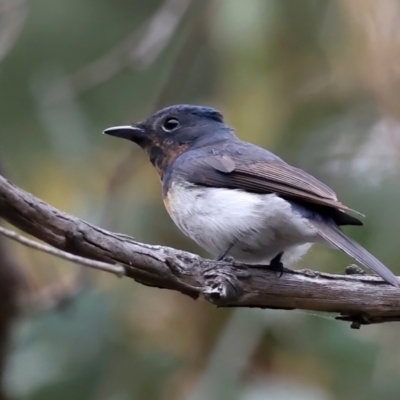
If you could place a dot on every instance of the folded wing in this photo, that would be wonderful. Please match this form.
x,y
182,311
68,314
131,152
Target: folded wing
x,y
274,176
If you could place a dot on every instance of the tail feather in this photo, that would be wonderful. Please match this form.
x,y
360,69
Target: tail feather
x,y
333,234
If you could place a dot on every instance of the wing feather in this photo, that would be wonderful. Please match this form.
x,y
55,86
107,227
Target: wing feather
x,y
273,176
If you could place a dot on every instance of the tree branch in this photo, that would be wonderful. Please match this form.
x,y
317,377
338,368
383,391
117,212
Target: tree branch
x,y
362,299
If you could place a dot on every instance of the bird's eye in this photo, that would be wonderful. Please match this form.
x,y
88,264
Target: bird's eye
x,y
170,124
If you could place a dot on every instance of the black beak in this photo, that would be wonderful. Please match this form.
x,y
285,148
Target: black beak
x,y
130,132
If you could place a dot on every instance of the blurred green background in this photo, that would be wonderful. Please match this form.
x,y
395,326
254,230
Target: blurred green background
x,y
317,82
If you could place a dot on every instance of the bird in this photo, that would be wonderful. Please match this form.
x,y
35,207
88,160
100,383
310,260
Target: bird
x,y
237,200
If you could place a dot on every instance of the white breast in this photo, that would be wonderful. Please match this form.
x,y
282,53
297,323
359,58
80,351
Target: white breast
x,y
259,226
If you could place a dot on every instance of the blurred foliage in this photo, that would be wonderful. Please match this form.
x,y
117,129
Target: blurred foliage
x,y
315,81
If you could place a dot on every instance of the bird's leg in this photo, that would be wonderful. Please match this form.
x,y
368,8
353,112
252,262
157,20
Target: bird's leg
x,y
274,265
224,256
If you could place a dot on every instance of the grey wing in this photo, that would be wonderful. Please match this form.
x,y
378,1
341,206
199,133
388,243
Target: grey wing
x,y
284,179
271,176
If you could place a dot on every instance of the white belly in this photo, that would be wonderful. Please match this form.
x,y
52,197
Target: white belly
x,y
258,226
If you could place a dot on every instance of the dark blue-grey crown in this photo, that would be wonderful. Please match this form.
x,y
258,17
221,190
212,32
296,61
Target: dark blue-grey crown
x,y
200,111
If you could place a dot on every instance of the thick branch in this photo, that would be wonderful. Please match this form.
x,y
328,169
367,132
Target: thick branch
x,y
362,299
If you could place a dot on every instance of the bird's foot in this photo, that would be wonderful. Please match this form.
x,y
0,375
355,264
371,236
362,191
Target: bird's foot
x,y
354,269
274,265
224,257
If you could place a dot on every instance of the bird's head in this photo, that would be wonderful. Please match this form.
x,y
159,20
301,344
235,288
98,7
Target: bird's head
x,y
172,131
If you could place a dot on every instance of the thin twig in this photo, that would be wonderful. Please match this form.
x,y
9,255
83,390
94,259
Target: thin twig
x,y
102,266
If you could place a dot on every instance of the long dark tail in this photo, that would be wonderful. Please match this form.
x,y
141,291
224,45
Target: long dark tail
x,y
333,234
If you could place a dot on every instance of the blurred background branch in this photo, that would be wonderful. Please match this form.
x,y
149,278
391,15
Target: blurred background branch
x,y
12,282
139,49
13,14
